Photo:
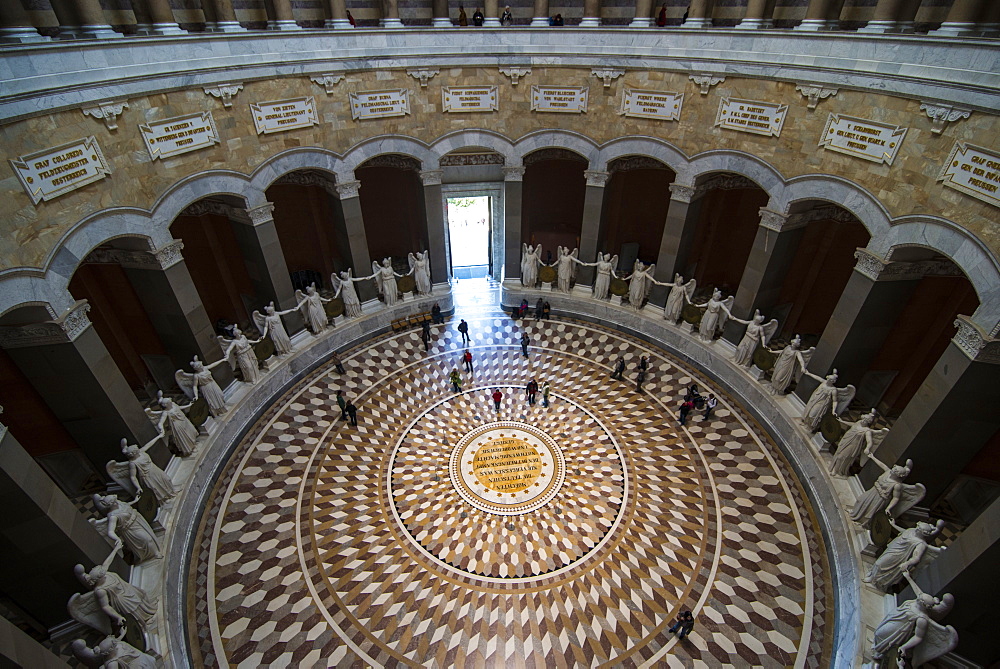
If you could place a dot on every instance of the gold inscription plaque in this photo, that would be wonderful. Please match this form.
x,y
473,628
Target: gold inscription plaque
x,y
507,465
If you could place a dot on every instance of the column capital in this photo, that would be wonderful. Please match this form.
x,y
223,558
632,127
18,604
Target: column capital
x,y
169,254
64,329
596,178
683,193
876,268
431,177
773,220
975,343
162,258
261,214
348,189
514,173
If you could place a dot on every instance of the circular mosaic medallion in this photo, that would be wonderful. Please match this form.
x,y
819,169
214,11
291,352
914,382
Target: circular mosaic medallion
x,y
507,468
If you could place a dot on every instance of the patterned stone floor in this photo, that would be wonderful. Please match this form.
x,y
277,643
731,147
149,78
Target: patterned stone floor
x,y
330,545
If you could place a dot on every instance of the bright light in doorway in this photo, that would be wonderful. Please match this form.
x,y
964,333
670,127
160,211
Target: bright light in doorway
x,y
469,227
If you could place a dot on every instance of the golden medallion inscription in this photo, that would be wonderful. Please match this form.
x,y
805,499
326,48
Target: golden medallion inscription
x,y
507,465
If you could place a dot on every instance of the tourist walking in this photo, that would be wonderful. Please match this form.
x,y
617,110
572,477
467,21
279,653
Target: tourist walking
x,y
710,404
342,403
683,625
685,410
425,334
643,363
545,395
619,369
456,380
467,361
525,340
352,411
640,378
532,389
463,327
337,363
497,396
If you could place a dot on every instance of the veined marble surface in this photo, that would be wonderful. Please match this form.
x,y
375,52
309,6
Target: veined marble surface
x,y
38,78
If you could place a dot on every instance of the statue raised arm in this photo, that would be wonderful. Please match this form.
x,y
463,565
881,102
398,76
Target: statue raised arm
x,y
139,470
110,599
911,551
758,333
827,398
344,286
640,284
310,304
889,494
716,313
123,525
790,365
606,265
385,276
859,439
567,266
183,434
680,293
269,323
201,383
112,653
241,349
912,629
420,267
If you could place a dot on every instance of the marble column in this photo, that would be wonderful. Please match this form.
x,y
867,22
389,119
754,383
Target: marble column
x,y
492,14
590,228
265,262
821,15
82,19
338,16
171,300
773,251
887,16
868,309
758,15
962,19
357,238
391,17
699,14
45,536
161,16
437,226
591,14
440,11
952,415
643,14
967,570
539,18
678,235
280,15
513,187
225,18
68,364
15,26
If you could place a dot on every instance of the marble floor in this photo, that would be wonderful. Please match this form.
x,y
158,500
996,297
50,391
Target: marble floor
x,y
441,532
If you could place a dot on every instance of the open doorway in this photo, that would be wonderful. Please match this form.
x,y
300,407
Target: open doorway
x,y
469,224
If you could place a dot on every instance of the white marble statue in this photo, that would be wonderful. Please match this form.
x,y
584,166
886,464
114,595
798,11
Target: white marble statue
x,y
112,653
888,495
640,283
343,284
140,471
123,525
385,277
859,438
241,348
420,267
202,384
716,313
566,267
908,552
310,305
680,293
827,398
110,599
531,259
791,362
269,323
758,333
171,417
606,265
913,632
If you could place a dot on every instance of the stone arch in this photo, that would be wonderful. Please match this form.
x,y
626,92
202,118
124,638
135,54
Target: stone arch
x,y
383,144
202,185
475,137
651,147
557,139
841,192
979,265
736,162
292,160
25,290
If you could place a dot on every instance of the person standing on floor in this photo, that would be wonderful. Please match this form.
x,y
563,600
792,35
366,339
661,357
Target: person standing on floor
x,y
685,410
436,314
661,18
497,396
463,20
456,380
477,18
342,403
337,363
545,395
352,411
425,334
467,360
546,310
525,340
539,309
532,389
710,404
619,368
463,327
640,378
643,364
683,625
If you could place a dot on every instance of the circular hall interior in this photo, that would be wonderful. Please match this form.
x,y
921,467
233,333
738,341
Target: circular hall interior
x,y
410,334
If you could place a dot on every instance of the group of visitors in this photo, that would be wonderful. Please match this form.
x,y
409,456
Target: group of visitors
x,y
693,399
542,309
347,409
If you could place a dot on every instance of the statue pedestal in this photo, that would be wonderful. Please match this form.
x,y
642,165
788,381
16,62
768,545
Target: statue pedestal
x,y
825,447
616,300
818,441
757,373
408,297
547,287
